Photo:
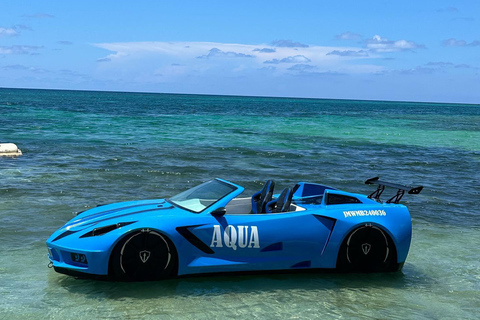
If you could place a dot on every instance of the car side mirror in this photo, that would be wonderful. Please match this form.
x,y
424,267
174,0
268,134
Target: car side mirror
x,y
219,212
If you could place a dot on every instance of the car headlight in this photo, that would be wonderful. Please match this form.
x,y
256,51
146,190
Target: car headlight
x,y
79,258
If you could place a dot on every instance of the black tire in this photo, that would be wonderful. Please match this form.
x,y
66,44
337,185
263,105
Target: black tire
x,y
367,249
143,255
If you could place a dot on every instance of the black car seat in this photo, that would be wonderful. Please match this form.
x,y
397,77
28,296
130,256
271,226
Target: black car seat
x,y
262,197
282,203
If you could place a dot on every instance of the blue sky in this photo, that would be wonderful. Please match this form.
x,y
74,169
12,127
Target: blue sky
x,y
377,50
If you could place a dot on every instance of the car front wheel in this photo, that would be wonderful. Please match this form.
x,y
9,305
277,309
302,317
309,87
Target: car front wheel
x,y
143,255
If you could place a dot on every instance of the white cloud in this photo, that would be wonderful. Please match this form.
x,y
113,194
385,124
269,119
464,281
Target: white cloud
x,y
289,44
348,36
112,56
302,68
38,16
442,65
349,53
8,32
13,31
20,68
452,42
265,50
380,44
292,59
65,42
16,49
433,67
104,59
215,52
448,9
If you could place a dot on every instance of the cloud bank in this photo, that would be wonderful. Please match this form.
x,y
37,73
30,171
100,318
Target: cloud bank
x,y
199,57
178,62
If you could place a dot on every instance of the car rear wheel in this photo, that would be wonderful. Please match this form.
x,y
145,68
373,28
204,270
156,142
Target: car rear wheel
x,y
367,249
143,255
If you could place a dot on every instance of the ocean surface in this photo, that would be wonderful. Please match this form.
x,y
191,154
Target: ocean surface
x,y
87,148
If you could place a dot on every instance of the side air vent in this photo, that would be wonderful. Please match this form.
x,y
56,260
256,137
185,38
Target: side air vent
x,y
187,234
341,199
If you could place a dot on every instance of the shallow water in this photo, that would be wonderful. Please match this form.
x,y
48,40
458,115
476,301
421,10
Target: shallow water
x,y
87,148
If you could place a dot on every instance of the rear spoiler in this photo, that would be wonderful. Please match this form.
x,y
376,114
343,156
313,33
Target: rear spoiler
x,y
396,198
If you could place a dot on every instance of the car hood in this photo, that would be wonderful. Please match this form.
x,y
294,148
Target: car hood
x,y
125,211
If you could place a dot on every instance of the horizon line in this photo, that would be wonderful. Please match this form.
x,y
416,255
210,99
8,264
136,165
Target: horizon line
x,y
239,96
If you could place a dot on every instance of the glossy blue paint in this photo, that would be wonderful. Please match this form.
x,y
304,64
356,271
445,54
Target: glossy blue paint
x,y
309,237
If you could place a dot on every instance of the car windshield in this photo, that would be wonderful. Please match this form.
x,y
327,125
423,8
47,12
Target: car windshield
x,y
202,196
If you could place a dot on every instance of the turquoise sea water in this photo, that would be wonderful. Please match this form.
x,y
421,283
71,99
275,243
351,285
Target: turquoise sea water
x,y
87,148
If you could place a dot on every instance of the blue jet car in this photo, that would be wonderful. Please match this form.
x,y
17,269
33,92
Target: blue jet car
x,y
212,229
